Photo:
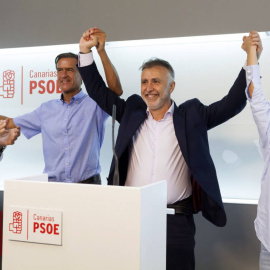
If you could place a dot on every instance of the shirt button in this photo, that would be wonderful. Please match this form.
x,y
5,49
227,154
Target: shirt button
x,y
67,163
249,78
66,149
248,72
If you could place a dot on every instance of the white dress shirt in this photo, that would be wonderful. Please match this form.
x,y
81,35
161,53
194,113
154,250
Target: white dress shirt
x,y
261,113
156,156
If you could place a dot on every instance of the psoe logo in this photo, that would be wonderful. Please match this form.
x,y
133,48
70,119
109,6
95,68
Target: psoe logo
x,y
8,88
16,225
34,225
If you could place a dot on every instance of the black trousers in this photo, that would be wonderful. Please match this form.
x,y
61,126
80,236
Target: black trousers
x,y
95,179
180,242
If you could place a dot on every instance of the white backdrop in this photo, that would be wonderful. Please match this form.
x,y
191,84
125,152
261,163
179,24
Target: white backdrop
x,y
205,68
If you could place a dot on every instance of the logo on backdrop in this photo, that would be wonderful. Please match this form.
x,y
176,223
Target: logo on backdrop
x,y
8,88
42,82
16,225
29,83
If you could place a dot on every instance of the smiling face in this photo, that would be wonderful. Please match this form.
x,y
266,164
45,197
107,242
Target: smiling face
x,y
156,87
68,76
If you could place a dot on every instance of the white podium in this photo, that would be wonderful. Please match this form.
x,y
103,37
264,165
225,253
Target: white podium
x,y
84,226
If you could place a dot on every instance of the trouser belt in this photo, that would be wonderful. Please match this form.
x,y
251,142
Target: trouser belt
x,y
183,207
95,179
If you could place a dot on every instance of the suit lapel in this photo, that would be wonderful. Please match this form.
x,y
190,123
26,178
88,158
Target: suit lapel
x,y
180,130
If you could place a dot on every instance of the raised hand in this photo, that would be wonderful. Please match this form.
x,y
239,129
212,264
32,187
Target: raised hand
x,y
88,41
255,39
101,36
246,43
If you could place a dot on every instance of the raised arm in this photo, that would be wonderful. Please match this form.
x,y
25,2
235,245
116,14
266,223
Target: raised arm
x,y
96,37
235,101
252,45
260,107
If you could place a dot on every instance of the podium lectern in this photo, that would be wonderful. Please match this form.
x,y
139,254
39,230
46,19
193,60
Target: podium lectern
x,y
80,226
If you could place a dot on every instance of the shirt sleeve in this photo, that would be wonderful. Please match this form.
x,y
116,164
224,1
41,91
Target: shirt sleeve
x,y
85,59
29,123
259,105
253,75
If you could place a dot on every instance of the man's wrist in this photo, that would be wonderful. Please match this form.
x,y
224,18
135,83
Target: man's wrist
x,y
101,51
85,50
252,49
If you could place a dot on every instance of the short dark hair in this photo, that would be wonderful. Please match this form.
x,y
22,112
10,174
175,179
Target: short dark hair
x,y
65,55
153,62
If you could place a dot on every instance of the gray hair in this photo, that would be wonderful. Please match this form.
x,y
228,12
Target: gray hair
x,y
153,62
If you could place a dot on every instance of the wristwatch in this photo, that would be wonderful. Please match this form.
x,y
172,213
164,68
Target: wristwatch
x,y
2,150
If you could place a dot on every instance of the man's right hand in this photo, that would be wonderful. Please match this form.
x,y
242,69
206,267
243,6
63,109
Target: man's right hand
x,y
88,41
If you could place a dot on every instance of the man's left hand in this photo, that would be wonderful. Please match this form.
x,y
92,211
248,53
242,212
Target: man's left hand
x,y
8,136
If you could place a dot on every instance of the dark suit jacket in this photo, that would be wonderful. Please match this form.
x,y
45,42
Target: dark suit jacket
x,y
191,121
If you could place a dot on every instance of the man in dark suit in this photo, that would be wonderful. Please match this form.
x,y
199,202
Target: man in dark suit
x,y
159,140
